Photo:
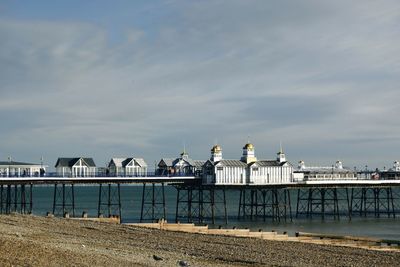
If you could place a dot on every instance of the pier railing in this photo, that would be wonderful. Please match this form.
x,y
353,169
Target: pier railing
x,y
98,174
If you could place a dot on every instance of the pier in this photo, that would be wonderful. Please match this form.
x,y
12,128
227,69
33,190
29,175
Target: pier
x,y
202,204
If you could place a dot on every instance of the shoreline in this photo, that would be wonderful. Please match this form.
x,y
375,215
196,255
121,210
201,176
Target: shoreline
x,y
44,241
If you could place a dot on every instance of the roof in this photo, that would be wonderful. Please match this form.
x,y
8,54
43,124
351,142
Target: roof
x,y
270,163
141,162
231,163
15,163
69,162
199,163
324,170
122,162
119,162
167,161
187,160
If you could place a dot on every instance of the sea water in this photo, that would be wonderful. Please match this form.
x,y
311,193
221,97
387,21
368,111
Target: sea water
x,y
86,199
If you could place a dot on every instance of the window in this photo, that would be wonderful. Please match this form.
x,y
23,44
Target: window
x,y
220,168
255,169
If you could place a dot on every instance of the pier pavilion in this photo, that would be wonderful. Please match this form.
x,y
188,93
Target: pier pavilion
x,y
75,167
182,165
21,169
127,167
247,170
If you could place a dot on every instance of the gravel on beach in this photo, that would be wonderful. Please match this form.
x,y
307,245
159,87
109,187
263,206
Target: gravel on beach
x,y
40,241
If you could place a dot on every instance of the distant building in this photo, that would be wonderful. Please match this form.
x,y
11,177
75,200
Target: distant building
x,y
391,174
127,167
335,172
247,170
21,169
75,167
182,166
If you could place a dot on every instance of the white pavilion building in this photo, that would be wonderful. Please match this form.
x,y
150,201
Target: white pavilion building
x,y
127,167
21,169
75,167
247,170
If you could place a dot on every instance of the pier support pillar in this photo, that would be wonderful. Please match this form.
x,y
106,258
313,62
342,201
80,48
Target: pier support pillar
x,y
273,203
153,203
16,198
372,201
64,199
201,204
109,204
318,202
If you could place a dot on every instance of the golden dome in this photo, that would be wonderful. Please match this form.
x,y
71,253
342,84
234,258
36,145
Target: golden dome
x,y
248,146
216,148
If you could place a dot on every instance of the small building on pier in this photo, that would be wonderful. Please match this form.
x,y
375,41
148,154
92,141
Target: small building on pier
x,y
391,174
181,166
247,170
75,167
127,167
21,169
314,173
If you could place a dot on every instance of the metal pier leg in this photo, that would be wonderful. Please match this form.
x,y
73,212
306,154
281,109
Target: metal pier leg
x,y
264,193
119,202
289,203
322,194
177,205
349,203
244,203
54,198
201,206
8,207
212,200
153,201
336,204
99,203
225,210
240,203
23,200
163,202
63,198
15,198
73,200
298,202
189,203
109,200
143,192
31,199
392,204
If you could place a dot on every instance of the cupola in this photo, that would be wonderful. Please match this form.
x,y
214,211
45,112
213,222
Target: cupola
x,y
281,155
248,153
338,165
216,153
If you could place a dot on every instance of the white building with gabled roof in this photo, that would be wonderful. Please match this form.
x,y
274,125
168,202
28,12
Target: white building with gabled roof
x,y
75,167
127,167
247,170
183,166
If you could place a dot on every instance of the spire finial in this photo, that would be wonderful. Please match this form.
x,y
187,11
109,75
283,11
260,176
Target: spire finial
x,y
280,147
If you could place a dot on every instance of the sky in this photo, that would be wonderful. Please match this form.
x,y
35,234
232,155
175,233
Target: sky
x,y
107,79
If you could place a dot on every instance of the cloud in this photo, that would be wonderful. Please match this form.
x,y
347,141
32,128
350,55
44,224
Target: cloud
x,y
310,74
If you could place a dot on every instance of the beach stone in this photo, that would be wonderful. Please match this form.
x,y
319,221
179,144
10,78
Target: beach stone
x,y
157,258
183,263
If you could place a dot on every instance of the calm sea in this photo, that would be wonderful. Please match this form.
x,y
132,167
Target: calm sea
x,y
86,199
